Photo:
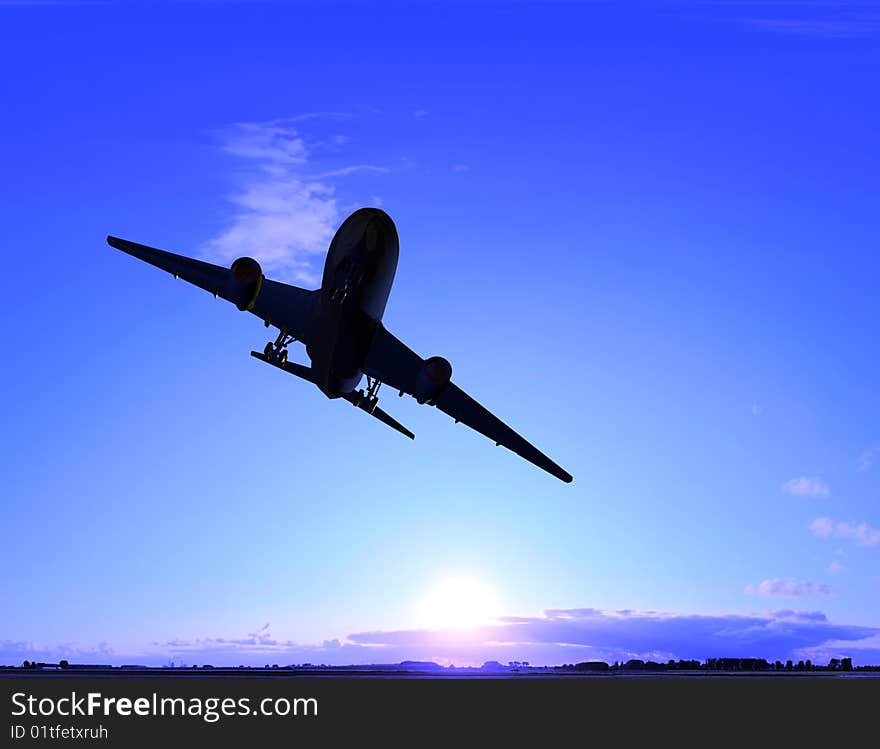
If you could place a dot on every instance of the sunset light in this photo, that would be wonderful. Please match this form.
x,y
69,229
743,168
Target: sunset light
x,y
458,601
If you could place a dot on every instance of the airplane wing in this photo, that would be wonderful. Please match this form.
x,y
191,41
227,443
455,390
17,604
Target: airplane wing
x,y
395,364
276,303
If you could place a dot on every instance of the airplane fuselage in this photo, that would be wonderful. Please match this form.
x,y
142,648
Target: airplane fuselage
x,y
358,275
341,326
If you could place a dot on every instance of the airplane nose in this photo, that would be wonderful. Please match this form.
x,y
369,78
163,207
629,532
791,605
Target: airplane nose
x,y
373,235
369,231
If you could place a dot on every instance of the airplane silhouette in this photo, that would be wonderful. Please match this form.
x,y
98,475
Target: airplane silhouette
x,y
341,327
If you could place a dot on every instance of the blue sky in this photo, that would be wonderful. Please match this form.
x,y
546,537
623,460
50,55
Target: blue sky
x,y
644,234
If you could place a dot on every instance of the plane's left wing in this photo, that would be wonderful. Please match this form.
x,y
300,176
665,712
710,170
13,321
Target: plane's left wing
x,y
392,362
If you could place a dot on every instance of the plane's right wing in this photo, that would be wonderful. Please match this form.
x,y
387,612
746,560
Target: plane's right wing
x,y
395,364
274,302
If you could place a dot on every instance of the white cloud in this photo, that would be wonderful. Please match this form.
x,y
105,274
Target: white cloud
x,y
806,486
836,566
271,142
804,616
861,534
284,216
862,650
822,527
346,170
553,637
789,588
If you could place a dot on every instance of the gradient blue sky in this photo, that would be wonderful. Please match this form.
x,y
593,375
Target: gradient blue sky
x,y
644,233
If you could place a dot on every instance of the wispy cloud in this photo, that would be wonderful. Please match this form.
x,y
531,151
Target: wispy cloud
x,y
836,567
862,534
857,24
284,214
14,3
827,19
788,588
13,652
346,170
822,527
806,486
804,616
553,637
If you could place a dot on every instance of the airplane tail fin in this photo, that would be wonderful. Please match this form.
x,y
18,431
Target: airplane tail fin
x,y
361,401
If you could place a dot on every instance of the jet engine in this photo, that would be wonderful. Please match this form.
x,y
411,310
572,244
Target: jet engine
x,y
432,378
245,283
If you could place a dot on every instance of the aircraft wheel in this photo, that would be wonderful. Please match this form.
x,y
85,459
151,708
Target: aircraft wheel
x,y
268,349
282,360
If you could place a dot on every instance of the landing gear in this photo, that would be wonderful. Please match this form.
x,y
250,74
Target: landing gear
x,y
373,386
276,352
371,395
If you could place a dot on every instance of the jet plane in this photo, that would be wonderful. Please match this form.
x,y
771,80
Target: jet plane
x,y
340,325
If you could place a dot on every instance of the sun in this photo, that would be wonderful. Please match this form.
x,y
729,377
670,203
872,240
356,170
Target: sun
x,y
458,601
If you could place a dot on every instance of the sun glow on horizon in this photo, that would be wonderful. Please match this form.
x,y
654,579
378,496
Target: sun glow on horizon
x,y
457,602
